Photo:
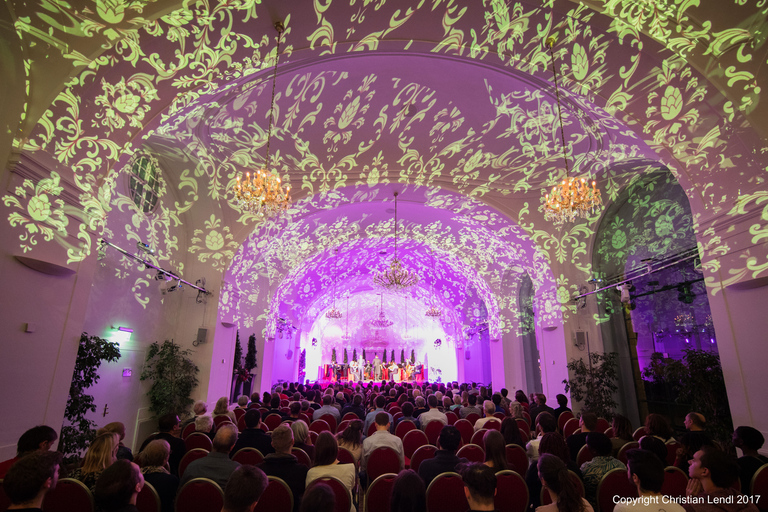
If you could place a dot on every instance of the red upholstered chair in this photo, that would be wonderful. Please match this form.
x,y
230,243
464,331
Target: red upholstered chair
x,y
609,431
432,430
545,497
383,460
452,417
285,410
254,405
5,501
342,426
313,436
759,486
277,497
675,482
527,417
614,483
340,491
379,495
563,418
397,415
585,455
241,423
148,500
263,426
239,413
521,423
421,454
284,402
222,424
477,437
466,429
602,425
264,411
191,455
248,455
188,430
517,458
219,418
200,495
320,425
446,494
492,425
394,409
472,418
622,455
345,456
511,492
70,495
371,429
472,452
198,440
571,426
525,435
640,432
672,447
404,427
306,417
412,440
499,416
350,416
302,456
273,421
331,421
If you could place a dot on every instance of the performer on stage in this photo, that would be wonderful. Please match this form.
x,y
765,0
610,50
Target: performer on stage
x,y
408,371
360,368
353,371
376,367
394,372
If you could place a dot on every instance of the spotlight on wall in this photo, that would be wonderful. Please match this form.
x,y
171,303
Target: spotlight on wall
x,y
145,248
123,329
314,342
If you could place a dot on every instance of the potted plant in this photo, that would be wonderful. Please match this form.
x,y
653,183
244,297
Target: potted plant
x,y
173,376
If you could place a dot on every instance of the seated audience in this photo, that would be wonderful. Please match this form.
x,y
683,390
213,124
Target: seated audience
x,y
553,444
488,409
205,425
294,412
199,409
222,409
511,432
216,465
646,472
470,408
587,423
408,415
545,423
352,439
655,446
749,440
370,418
479,486
445,458
245,487
408,493
602,462
118,487
622,433
30,478
712,473
540,406
382,438
284,465
242,403
101,454
301,438
562,490
39,438
327,463
327,408
420,405
562,406
657,425
355,407
516,410
433,414
693,439
169,430
154,467
522,399
252,436
320,498
495,450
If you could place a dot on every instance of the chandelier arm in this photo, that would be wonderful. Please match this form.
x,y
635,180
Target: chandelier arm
x,y
279,27
551,42
395,225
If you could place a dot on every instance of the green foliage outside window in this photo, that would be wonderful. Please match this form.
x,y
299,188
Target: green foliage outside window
x,y
173,376
595,383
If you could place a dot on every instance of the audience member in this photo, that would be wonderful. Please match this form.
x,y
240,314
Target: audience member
x,y
622,433
564,493
370,418
408,415
101,454
749,440
587,423
553,444
216,465
522,399
712,473
204,425
470,408
242,402
658,426
646,472
39,438
488,409
382,437
545,423
352,439
327,408
602,462
504,400
355,407
30,478
655,446
301,438
284,465
154,467
516,410
116,427
222,409
495,450
118,487
408,493
245,487
693,439
320,498
479,485
511,432
199,409
445,458
562,405
327,463
540,406
169,430
253,436
433,414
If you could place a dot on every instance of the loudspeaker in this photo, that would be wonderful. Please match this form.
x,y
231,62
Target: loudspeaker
x,y
466,354
202,335
580,339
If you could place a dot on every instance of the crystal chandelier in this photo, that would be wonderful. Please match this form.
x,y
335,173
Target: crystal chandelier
x,y
263,194
333,313
382,322
433,311
573,197
395,277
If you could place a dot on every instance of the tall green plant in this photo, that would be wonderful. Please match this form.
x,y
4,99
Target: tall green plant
x,y
402,356
345,356
413,357
384,357
392,356
238,358
354,354
333,355
364,358
173,376
77,431
250,355
595,383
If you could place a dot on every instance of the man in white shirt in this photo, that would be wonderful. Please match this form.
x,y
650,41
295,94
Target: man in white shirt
x,y
546,423
646,471
382,438
327,408
489,408
433,414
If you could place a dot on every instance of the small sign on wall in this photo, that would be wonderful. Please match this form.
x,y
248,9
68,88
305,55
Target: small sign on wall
x,y
127,372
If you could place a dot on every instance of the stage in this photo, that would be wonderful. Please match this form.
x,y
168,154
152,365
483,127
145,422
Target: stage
x,y
329,373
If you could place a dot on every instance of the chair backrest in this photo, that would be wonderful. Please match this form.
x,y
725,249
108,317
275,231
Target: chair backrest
x,y
342,426
563,418
473,417
511,492
472,452
248,455
466,429
302,456
622,455
672,447
452,417
394,409
200,495
219,418
69,495
198,440
397,415
284,402
371,429
313,436
571,426
223,423
273,421
493,424
239,413
404,427
477,437
432,430
525,434
320,425
241,423
345,456
254,405
383,460
517,458
188,430
499,416
421,454
585,455
675,482
527,417
379,495
263,426
614,483
330,419
5,501
609,432
340,491
148,500
546,499
277,497
191,455
446,494
521,423
602,425
637,434
759,486
350,416
412,440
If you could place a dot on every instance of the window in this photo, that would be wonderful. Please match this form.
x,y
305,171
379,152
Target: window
x,y
145,183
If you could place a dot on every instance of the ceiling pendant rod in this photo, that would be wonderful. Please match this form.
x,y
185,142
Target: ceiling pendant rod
x,y
280,28
551,43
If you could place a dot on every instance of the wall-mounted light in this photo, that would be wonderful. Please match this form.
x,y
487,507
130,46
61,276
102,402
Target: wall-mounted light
x,y
123,329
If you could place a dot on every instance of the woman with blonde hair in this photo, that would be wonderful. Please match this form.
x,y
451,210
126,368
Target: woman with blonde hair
x,y
116,427
222,408
100,455
352,439
301,438
154,467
